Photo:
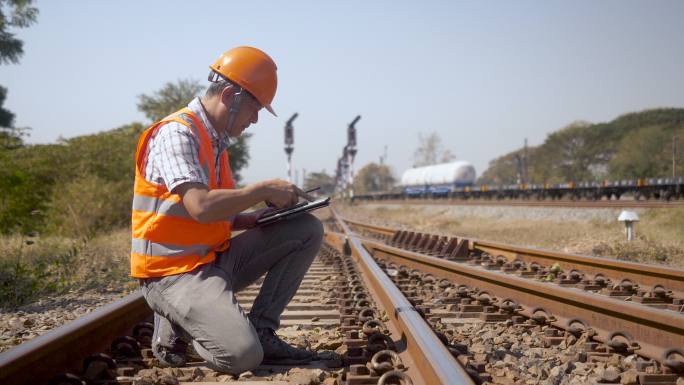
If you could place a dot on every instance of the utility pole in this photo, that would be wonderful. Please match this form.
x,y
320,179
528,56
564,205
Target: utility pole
x,y
383,157
674,156
289,144
525,180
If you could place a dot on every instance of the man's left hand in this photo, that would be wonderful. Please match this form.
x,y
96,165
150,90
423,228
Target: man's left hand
x,y
248,220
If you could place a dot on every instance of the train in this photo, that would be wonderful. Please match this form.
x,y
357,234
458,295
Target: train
x,y
456,180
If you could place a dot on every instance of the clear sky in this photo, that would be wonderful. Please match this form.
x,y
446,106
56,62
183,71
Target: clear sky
x,y
484,75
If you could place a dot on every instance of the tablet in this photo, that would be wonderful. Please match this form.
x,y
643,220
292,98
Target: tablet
x,y
289,212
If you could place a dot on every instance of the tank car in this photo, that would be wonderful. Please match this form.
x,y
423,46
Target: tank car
x,y
438,180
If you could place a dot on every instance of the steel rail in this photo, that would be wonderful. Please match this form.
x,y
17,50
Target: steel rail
x,y
60,350
643,274
434,362
532,203
654,330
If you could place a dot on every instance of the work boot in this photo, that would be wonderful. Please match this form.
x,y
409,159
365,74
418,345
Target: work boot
x,y
169,342
171,356
277,351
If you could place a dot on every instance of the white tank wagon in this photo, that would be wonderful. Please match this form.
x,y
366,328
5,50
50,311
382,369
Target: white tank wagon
x,y
437,179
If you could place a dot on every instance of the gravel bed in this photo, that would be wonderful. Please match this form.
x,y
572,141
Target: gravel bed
x,y
515,354
29,321
521,352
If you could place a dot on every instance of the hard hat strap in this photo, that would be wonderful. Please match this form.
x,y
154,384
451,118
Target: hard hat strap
x,y
234,108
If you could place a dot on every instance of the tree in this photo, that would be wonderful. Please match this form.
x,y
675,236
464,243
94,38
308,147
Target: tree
x,y
430,151
645,153
8,134
169,99
174,96
503,170
14,14
634,145
320,179
373,177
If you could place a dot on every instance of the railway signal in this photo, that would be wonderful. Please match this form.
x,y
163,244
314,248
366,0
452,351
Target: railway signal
x,y
289,144
350,153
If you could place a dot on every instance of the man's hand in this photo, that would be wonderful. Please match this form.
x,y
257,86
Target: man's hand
x,y
248,220
282,193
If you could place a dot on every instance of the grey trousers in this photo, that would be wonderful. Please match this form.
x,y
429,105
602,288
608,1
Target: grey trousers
x,y
202,302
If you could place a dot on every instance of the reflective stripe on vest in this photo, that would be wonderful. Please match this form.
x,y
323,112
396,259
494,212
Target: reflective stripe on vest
x,y
165,239
161,207
143,246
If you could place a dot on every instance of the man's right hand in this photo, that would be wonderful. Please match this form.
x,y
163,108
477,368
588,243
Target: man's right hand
x,y
282,193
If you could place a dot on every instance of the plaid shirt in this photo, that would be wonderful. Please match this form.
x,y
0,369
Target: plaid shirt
x,y
173,153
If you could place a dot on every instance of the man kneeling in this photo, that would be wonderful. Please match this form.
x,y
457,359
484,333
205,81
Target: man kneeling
x,y
185,206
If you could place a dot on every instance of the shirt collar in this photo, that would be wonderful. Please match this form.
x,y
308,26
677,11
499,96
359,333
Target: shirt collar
x,y
196,106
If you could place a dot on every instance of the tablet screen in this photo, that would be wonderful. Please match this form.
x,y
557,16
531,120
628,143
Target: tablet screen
x,y
290,211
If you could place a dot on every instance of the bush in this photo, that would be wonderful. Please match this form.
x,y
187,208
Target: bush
x,y
55,265
89,205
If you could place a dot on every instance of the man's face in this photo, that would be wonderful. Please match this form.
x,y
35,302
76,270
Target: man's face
x,y
247,115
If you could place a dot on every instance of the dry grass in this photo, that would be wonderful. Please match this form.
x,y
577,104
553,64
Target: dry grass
x,y
30,267
659,234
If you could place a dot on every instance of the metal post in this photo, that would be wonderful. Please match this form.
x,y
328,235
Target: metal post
x,y
630,230
289,144
674,155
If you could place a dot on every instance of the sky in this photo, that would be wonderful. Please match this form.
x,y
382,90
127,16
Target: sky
x,y
483,75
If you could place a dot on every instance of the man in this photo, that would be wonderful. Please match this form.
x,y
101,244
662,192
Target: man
x,y
185,206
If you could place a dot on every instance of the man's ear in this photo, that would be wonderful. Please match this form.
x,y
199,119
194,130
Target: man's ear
x,y
227,94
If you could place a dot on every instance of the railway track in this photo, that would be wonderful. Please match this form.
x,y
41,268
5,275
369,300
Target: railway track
x,y
363,329
627,308
608,204
382,306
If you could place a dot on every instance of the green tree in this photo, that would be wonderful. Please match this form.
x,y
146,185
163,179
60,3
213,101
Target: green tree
x,y
504,169
170,98
10,137
320,179
14,14
634,145
646,153
174,96
41,186
571,153
373,177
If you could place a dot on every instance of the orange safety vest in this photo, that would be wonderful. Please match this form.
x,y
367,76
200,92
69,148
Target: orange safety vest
x,y
166,240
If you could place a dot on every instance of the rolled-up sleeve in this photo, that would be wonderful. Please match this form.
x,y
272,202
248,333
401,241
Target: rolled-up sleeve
x,y
178,152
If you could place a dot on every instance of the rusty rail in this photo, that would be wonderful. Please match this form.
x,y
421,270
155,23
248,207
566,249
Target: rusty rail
x,y
35,361
651,332
645,275
434,362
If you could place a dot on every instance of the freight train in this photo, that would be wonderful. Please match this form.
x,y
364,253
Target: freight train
x,y
456,180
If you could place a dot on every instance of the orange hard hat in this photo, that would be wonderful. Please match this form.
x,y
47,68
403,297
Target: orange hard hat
x,y
251,69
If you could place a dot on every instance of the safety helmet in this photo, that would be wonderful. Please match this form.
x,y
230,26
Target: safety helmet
x,y
251,69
